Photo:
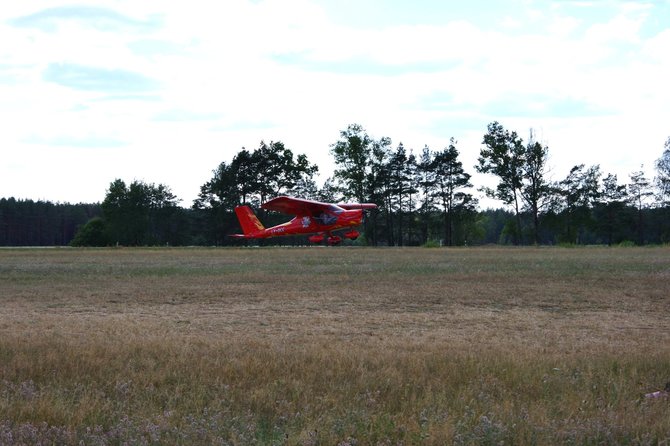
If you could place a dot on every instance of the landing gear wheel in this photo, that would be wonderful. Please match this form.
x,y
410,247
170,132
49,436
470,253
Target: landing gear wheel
x,y
334,240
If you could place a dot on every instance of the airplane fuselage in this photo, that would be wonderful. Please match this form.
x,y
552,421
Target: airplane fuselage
x,y
305,225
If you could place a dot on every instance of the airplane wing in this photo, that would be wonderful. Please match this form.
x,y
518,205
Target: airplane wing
x,y
298,206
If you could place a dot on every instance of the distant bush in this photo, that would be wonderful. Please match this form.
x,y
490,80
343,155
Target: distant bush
x,y
431,244
93,233
626,244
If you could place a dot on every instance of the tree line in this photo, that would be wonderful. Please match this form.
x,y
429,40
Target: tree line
x,y
424,199
42,223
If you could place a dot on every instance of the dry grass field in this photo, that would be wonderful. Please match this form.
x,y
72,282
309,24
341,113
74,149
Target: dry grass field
x,y
343,346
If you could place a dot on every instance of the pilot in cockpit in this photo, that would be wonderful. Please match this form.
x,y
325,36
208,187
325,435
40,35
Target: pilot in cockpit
x,y
325,218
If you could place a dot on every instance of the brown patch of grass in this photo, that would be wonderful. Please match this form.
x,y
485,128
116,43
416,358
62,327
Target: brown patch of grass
x,y
301,346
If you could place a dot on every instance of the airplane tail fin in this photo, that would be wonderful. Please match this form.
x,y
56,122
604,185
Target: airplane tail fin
x,y
248,221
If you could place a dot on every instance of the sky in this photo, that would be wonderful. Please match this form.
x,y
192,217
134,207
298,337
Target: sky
x,y
163,92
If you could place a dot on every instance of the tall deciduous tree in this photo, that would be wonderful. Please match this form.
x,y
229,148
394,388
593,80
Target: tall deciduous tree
x,y
399,183
639,190
253,177
450,180
612,197
138,214
379,191
224,190
239,181
578,192
535,189
663,175
503,156
117,213
352,157
278,171
425,181
411,190
662,181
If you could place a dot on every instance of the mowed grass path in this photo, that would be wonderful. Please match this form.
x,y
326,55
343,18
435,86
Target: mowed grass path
x,y
334,346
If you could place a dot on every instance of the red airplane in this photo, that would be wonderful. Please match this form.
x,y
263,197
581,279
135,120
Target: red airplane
x,y
311,217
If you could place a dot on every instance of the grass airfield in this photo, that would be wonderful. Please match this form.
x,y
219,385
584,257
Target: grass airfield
x,y
334,346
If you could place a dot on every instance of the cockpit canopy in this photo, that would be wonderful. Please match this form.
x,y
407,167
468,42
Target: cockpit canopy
x,y
328,216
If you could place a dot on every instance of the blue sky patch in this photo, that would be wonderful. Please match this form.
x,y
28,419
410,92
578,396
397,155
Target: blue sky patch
x,y
102,19
81,77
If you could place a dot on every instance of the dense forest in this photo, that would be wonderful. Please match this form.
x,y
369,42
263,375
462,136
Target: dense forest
x,y
424,199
